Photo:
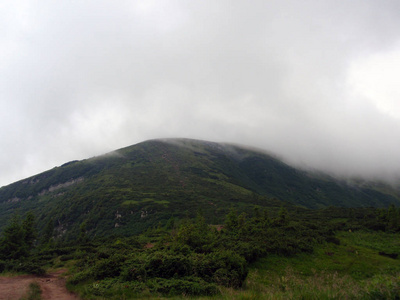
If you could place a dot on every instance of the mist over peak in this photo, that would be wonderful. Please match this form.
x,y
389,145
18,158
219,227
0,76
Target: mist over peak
x,y
83,78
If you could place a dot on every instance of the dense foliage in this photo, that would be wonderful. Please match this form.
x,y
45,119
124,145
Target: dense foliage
x,y
16,244
191,257
194,258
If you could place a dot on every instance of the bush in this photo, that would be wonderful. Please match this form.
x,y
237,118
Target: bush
x,y
108,267
190,286
103,288
80,277
30,267
115,289
3,266
134,270
333,240
224,268
167,265
67,257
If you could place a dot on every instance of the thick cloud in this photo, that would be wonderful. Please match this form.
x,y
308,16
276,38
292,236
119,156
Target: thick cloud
x,y
316,82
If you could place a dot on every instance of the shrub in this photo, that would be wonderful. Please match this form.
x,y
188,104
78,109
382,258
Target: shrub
x,y
225,268
3,266
134,270
108,267
333,240
103,288
166,265
67,257
115,289
80,277
30,267
190,286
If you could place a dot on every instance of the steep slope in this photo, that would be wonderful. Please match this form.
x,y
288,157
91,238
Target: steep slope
x,y
130,189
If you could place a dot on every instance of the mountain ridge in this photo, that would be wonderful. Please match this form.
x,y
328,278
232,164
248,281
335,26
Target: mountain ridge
x,y
130,189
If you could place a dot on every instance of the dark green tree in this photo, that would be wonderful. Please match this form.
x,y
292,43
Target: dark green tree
x,y
232,222
283,215
13,244
197,235
29,228
47,236
83,238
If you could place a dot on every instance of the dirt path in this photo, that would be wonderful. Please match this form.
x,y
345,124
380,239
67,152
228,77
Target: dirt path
x,y
52,285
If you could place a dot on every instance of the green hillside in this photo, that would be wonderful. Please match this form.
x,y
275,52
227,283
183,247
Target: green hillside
x,y
131,189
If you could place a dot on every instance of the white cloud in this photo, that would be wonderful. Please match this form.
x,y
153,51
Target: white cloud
x,y
376,77
299,78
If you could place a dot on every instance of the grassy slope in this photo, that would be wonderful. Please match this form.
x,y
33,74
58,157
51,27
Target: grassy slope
x,y
352,269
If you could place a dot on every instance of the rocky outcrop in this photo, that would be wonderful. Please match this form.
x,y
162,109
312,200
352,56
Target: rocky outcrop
x,y
61,185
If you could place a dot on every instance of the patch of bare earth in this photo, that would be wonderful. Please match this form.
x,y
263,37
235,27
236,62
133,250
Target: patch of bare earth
x,y
52,286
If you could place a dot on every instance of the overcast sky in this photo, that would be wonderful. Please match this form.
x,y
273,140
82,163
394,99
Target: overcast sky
x,y
317,82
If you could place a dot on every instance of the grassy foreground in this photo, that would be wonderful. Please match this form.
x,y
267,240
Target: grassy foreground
x,y
352,270
307,255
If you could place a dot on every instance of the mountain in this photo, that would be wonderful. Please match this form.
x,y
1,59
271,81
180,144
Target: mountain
x,y
131,189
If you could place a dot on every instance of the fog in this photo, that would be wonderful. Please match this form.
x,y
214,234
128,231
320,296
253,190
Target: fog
x,y
316,82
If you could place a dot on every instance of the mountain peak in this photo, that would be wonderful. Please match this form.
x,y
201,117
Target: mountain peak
x,y
132,188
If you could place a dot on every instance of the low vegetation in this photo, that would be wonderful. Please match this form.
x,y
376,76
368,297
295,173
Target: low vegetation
x,y
334,253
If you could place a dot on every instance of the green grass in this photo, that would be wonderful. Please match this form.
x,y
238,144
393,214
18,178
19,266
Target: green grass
x,y
34,292
144,200
320,285
377,241
348,258
161,201
353,269
230,186
130,202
